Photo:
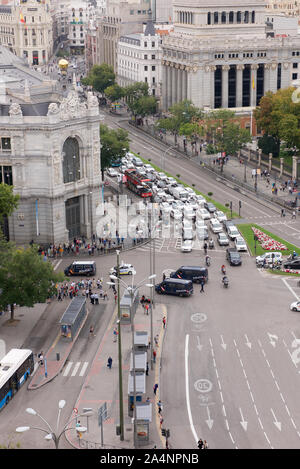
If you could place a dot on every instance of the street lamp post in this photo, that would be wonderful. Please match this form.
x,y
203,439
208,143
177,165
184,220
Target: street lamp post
x,y
164,155
50,434
120,353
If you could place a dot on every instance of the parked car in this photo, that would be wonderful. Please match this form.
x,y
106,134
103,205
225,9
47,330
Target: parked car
x,y
125,269
240,244
292,265
175,286
187,245
168,198
215,226
233,256
222,239
112,172
220,216
268,258
210,207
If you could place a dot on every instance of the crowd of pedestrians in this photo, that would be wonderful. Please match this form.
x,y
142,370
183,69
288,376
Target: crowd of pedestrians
x,y
92,289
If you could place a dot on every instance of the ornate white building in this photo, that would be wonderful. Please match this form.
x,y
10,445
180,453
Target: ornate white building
x,y
50,153
219,55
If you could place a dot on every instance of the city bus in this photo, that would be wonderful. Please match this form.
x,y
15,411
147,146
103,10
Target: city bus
x,y
15,369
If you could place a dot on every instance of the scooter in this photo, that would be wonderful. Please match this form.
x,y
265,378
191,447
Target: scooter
x,y
207,260
211,244
225,282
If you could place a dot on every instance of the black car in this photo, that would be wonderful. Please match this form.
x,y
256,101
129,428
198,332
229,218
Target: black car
x,y
233,256
295,264
210,207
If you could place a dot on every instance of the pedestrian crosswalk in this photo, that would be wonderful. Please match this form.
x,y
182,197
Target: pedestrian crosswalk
x,y
173,245
72,369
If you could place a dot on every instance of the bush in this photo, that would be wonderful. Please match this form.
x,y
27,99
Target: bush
x,y
210,149
210,194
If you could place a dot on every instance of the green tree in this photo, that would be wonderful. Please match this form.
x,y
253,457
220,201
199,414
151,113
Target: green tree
x,y
100,77
114,92
8,200
114,145
136,91
232,138
25,278
181,113
144,106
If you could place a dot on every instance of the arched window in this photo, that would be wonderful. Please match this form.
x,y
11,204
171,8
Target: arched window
x,y
246,17
253,17
216,17
208,18
239,17
231,17
71,160
223,17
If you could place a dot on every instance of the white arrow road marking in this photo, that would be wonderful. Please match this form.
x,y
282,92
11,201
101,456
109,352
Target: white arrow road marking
x,y
277,424
248,343
223,344
294,355
209,422
243,422
273,338
199,346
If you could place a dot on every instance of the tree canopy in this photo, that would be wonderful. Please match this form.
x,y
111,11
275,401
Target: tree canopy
x,y
25,278
114,145
100,77
114,92
8,200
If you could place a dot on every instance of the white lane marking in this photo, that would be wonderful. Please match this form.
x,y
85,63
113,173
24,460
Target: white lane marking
x,y
76,367
59,262
290,288
187,391
83,369
68,367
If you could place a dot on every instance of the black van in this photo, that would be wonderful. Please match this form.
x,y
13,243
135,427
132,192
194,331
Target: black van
x,y
87,268
193,273
175,286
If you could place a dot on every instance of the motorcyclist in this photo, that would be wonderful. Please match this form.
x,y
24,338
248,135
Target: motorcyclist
x,y
223,269
294,255
211,243
207,260
225,280
205,247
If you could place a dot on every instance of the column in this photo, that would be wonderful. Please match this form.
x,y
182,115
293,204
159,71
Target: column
x,y
281,166
259,157
294,169
253,85
174,87
179,84
286,75
169,90
273,77
164,86
239,85
266,77
225,70
270,162
207,86
184,84
213,68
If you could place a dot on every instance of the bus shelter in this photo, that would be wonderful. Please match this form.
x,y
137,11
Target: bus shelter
x,y
140,361
141,341
73,317
140,388
128,305
143,420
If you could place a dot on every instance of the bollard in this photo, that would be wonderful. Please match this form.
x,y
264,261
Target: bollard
x,y
58,357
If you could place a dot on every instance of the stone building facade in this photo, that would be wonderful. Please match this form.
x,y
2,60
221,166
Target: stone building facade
x,y
220,56
54,161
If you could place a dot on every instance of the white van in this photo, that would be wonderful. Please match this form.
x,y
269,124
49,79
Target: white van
x,y
269,258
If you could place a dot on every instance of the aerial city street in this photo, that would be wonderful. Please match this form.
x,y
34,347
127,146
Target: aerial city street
x,y
149,225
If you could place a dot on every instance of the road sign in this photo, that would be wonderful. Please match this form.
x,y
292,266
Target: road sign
x,y
102,413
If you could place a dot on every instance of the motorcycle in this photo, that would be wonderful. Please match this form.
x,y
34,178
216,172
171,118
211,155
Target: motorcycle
x,y
225,282
207,260
211,244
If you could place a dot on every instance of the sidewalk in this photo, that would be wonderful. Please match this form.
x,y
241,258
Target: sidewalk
x,y
102,386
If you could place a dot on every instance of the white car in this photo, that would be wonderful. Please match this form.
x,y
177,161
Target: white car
x,y
222,239
192,203
168,198
178,205
171,180
220,216
125,269
112,172
240,244
188,212
268,258
200,223
165,207
215,226
295,306
176,214
233,232
202,232
149,168
130,165
162,176
203,213
187,224
187,245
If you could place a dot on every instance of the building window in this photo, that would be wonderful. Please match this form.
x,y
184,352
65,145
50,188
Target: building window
x,y
208,18
6,175
153,80
253,17
153,56
153,44
230,17
239,17
216,17
146,68
223,17
153,68
295,65
5,144
145,44
294,76
145,57
71,160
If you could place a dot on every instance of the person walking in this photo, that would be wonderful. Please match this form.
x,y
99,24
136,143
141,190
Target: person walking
x,y
109,362
154,356
155,388
92,331
293,215
160,407
115,334
202,285
164,322
200,444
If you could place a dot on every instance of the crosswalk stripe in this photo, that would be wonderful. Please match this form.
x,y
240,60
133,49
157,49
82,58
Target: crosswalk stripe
x,y
84,367
68,367
76,367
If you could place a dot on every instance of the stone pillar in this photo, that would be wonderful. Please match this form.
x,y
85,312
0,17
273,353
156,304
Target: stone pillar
x,y
286,75
281,166
266,77
295,165
164,86
253,85
270,162
273,77
184,84
174,84
239,85
225,70
259,157
213,68
179,85
169,90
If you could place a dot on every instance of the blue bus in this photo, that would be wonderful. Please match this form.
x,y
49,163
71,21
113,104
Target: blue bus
x,y
15,369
